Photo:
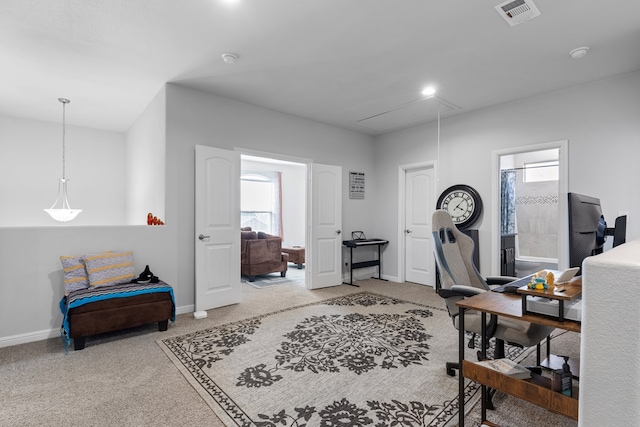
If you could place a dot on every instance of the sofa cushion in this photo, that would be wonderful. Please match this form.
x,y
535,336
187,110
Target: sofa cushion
x,y
248,235
245,228
111,268
263,235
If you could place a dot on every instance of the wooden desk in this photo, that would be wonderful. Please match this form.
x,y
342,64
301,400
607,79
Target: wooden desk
x,y
536,390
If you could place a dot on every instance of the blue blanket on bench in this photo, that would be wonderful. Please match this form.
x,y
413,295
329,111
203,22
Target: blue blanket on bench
x,y
89,295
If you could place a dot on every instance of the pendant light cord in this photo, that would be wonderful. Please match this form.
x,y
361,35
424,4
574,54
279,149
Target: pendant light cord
x,y
64,105
438,154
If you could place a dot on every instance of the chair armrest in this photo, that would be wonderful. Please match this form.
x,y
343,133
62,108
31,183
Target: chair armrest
x,y
499,280
460,291
467,291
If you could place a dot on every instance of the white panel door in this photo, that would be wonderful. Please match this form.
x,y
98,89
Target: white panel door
x,y
326,226
217,228
419,199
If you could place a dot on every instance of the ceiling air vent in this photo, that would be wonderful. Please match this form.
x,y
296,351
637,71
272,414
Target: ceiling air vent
x,y
518,11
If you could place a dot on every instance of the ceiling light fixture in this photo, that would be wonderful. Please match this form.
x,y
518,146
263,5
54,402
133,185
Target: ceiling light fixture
x,y
579,52
429,91
229,58
61,211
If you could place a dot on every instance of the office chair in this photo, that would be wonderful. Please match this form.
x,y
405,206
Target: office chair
x,y
459,278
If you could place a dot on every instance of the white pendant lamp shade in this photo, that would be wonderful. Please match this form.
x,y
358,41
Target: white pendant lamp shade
x,y
61,211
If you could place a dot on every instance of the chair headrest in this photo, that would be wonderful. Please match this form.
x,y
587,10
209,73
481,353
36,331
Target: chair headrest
x,y
441,219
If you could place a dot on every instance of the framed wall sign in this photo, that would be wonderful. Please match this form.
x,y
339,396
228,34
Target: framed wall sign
x,y
356,185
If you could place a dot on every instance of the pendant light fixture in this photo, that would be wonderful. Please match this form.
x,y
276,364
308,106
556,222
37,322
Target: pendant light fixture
x,y
61,211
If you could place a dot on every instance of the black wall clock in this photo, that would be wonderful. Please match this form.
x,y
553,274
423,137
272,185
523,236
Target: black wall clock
x,y
463,204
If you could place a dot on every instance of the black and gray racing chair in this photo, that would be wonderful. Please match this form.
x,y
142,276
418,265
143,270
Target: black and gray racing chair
x,y
459,278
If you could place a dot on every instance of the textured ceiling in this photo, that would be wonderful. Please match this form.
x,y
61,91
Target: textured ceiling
x,y
334,61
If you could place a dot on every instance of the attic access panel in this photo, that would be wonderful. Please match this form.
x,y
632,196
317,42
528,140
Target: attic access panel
x,y
410,113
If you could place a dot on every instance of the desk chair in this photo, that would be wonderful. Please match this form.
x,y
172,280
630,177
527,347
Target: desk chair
x,y
459,279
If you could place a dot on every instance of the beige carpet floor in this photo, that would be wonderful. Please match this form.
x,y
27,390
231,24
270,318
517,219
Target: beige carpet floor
x,y
125,379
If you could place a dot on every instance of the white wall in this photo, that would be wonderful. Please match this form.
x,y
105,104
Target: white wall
x,y
145,177
31,166
610,339
600,120
197,118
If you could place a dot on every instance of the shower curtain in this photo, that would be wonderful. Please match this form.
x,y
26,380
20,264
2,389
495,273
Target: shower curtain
x,y
507,202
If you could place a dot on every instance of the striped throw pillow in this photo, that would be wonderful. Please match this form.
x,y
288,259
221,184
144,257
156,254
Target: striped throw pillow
x,y
75,273
110,268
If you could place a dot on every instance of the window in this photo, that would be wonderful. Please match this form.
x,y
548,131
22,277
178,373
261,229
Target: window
x,y
260,202
541,171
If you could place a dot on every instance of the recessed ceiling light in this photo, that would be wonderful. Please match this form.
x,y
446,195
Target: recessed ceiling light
x,y
579,52
229,58
429,91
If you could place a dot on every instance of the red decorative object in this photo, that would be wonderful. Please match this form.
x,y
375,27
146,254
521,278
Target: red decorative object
x,y
153,220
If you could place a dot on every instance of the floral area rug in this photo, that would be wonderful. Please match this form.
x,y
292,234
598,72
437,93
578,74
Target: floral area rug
x,y
357,360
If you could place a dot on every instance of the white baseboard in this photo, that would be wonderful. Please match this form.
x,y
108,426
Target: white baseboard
x,y
185,309
55,333
29,337
391,278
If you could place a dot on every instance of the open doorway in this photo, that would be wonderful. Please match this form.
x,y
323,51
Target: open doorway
x,y
273,203
531,183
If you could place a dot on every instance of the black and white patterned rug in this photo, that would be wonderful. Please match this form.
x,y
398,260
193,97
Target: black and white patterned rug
x,y
357,360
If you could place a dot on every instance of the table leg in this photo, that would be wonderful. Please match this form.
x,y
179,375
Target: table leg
x,y
351,266
483,355
461,338
379,263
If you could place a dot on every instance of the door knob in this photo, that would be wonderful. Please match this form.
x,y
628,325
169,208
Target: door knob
x,y
338,231
202,237
408,231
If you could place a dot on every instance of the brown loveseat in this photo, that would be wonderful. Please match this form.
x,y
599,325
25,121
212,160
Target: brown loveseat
x,y
261,253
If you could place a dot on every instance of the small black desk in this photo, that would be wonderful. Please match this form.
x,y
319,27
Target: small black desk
x,y
362,243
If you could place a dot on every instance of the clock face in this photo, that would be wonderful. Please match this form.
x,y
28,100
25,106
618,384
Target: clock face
x,y
463,204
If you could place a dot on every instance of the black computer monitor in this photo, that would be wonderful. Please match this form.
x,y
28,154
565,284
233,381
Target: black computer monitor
x,y
588,229
619,232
